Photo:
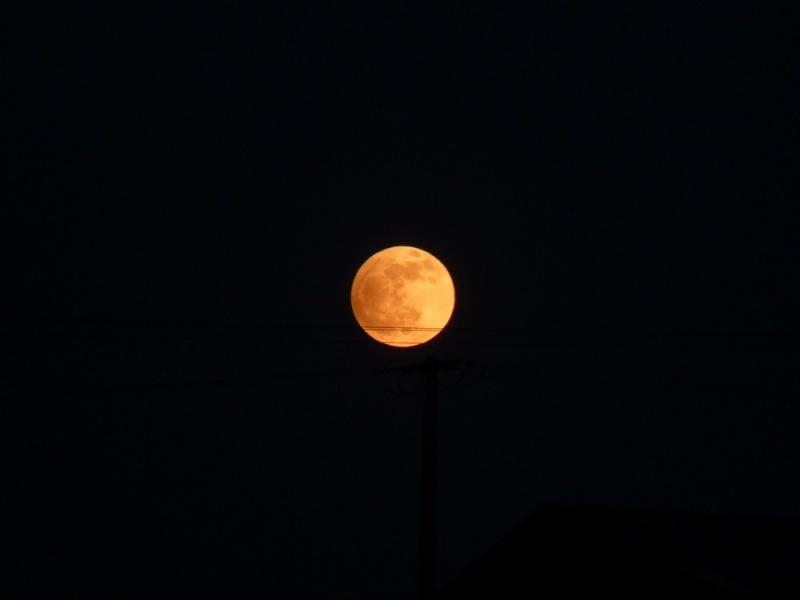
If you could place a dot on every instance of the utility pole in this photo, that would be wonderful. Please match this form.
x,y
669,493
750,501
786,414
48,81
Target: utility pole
x,y
429,369
427,506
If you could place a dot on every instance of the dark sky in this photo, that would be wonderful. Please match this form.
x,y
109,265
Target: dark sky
x,y
189,404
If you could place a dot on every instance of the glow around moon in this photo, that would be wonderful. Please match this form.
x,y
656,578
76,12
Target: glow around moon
x,y
402,296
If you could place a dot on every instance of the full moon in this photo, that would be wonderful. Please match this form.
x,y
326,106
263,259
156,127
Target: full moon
x,y
402,296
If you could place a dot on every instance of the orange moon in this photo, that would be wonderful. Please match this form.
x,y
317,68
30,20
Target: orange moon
x,y
402,296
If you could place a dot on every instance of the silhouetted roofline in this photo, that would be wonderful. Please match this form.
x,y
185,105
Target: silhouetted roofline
x,y
633,550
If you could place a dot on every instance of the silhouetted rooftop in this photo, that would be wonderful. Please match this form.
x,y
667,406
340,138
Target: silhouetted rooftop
x,y
621,550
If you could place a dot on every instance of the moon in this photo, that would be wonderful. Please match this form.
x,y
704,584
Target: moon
x,y
402,296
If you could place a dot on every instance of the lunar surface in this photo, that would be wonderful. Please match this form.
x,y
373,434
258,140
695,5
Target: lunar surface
x,y
402,296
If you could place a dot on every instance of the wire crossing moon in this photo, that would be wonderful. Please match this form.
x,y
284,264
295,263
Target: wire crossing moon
x,y
402,296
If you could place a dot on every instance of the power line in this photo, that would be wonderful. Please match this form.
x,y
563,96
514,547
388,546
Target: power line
x,y
673,388
139,386
291,334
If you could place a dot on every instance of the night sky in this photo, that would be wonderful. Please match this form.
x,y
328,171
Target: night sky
x,y
189,407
